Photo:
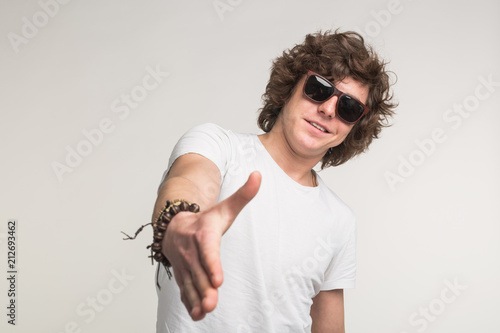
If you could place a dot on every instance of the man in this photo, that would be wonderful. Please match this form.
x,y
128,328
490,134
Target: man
x,y
284,242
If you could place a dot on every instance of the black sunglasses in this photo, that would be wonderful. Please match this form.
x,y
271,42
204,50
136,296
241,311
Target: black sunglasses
x,y
319,90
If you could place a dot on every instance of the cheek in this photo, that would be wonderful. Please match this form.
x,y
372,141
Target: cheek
x,y
343,132
344,129
291,113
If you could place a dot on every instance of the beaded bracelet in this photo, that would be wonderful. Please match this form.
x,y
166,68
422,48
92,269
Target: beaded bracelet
x,y
160,226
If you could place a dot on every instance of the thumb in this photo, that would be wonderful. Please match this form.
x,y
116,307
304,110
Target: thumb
x,y
232,206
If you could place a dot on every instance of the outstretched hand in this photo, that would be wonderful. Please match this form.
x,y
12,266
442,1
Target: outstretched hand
x,y
192,245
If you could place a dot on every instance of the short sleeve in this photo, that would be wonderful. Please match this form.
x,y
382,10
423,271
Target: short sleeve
x,y
208,140
341,273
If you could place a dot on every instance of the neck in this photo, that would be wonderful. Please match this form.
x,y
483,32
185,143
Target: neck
x,y
296,166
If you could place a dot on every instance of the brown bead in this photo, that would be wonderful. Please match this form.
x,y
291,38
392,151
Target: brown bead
x,y
162,226
156,247
194,208
184,206
158,256
174,209
166,217
158,235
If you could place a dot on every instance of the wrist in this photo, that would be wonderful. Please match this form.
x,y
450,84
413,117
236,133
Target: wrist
x,y
171,208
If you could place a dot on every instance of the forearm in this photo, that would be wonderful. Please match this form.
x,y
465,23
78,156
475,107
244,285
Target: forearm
x,y
193,178
179,188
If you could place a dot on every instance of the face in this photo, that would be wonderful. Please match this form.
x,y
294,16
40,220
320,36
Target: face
x,y
300,118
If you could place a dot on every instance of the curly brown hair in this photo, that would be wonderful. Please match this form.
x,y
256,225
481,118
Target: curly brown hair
x,y
337,55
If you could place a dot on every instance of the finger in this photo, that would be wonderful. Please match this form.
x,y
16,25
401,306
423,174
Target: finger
x,y
232,206
205,289
209,249
190,296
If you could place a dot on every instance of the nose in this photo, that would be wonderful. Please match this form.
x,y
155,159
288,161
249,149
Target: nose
x,y
328,107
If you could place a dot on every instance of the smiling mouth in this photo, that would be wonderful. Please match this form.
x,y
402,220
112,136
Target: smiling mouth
x,y
322,129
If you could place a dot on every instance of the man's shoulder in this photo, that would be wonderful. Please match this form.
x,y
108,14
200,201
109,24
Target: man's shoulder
x,y
213,128
207,127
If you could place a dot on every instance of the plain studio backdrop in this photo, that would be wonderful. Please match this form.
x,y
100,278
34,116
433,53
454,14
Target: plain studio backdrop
x,y
95,94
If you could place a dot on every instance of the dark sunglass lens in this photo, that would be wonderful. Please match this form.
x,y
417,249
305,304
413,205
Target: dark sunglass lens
x,y
349,109
318,89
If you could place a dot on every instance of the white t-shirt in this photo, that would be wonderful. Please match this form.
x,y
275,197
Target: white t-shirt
x,y
289,243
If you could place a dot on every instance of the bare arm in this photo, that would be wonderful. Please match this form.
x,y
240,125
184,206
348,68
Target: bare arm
x,y
327,312
192,177
192,241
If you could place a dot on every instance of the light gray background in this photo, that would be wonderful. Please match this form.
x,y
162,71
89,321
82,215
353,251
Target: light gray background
x,y
440,224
